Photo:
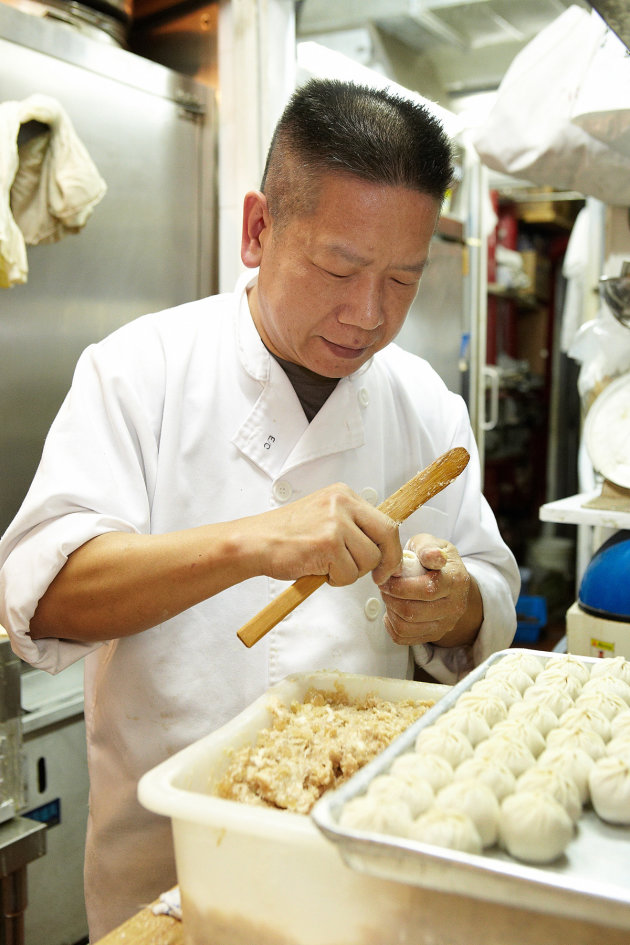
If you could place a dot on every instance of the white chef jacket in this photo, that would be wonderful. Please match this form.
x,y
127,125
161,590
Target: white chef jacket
x,y
182,418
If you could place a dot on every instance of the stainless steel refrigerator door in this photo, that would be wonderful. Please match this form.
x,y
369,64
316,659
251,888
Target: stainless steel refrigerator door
x,y
148,245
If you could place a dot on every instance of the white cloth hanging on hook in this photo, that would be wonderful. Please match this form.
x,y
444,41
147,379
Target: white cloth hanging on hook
x,y
49,185
533,130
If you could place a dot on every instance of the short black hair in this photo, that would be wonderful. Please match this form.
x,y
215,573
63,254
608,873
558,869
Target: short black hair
x,y
330,126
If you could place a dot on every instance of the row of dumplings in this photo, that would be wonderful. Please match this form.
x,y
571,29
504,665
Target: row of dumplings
x,y
513,762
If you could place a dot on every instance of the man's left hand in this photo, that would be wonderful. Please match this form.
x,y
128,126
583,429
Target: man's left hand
x,y
440,602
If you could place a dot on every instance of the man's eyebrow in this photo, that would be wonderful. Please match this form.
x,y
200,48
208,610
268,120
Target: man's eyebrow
x,y
351,257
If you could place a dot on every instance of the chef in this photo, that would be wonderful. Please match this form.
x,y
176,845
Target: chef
x,y
206,455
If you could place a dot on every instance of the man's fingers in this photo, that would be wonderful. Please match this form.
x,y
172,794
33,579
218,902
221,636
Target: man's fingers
x,y
433,559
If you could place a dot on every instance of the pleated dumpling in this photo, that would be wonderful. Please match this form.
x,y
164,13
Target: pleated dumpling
x,y
445,828
430,766
574,762
541,716
388,787
609,783
492,772
534,827
473,797
514,754
521,730
470,723
451,744
557,784
377,815
491,707
615,666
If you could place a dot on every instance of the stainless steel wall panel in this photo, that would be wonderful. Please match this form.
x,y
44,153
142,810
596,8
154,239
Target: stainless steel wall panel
x,y
148,245
437,319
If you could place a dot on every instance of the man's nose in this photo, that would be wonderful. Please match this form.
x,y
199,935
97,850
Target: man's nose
x,y
365,305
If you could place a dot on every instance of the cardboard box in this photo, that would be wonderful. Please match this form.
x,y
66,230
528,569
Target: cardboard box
x,y
533,339
537,268
559,214
588,635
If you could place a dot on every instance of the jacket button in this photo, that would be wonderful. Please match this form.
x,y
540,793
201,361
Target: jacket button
x,y
282,490
370,495
373,608
364,397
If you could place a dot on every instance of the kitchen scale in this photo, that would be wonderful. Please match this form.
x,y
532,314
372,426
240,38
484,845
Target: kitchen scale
x,y
598,623
607,424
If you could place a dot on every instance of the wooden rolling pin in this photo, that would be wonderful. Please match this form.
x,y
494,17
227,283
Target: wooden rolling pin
x,y
422,487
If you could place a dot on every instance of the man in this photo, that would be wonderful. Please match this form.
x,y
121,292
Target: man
x,y
206,455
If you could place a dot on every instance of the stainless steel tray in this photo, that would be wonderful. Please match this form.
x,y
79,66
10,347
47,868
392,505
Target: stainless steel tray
x,y
590,882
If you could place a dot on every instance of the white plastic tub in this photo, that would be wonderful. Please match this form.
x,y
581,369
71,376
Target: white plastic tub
x,y
257,876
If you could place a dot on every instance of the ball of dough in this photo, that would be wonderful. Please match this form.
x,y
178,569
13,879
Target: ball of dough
x,y
620,723
521,659
550,696
523,731
609,703
609,783
552,781
418,796
494,774
449,743
534,827
376,815
559,677
513,753
574,762
578,737
473,797
433,768
569,663
499,687
608,684
516,676
615,666
619,746
584,716
492,708
444,828
541,716
470,723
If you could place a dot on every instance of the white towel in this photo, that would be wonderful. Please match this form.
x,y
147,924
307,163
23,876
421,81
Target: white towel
x,y
48,186
169,904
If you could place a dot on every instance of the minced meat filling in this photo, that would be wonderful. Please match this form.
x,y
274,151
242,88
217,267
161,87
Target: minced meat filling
x,y
313,746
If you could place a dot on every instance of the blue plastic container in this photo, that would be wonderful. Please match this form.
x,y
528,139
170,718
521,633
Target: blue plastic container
x,y
531,616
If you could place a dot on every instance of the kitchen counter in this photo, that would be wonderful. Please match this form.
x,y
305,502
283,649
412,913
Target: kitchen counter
x,y
145,928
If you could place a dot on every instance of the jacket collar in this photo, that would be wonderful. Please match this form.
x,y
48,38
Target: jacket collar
x,y
338,426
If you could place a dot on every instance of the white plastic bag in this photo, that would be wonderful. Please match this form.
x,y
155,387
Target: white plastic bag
x,y
529,132
602,104
602,348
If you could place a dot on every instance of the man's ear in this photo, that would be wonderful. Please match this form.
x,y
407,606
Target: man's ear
x,y
256,220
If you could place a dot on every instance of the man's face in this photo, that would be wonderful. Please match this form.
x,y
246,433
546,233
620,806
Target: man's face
x,y
335,285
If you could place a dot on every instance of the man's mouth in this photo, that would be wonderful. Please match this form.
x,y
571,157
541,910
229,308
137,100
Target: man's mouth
x,y
343,351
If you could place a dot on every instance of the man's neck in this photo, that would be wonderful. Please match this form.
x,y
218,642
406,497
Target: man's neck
x,y
313,390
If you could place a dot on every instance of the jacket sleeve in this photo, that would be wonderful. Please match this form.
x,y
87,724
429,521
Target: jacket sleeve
x,y
472,528
94,477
